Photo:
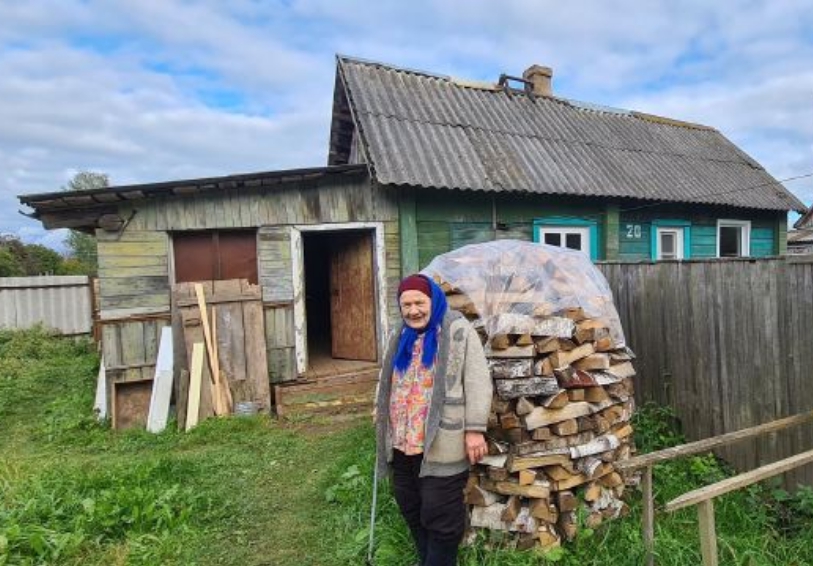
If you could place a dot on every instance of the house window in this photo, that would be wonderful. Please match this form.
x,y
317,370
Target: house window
x,y
671,239
568,232
733,238
565,237
669,243
215,255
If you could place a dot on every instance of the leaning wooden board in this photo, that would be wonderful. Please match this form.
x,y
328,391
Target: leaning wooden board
x,y
240,341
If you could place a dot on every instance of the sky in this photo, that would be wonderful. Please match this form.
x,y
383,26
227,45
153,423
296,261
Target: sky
x,y
157,90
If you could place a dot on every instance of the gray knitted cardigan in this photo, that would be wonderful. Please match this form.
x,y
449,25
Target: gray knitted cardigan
x,y
460,399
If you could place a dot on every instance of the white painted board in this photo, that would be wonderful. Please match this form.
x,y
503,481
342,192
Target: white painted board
x,y
100,403
162,384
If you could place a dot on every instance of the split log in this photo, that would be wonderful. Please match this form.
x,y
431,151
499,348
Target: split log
x,y
511,369
576,480
500,342
575,395
566,501
571,378
546,345
596,395
590,330
527,477
543,367
478,496
612,480
542,433
524,406
510,352
526,387
525,340
556,401
495,461
592,492
517,463
565,428
545,417
515,323
593,362
589,466
500,405
624,369
548,538
595,446
561,358
538,489
489,517
497,474
510,420
544,510
512,509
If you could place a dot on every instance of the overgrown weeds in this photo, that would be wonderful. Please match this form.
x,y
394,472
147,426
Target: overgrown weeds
x,y
760,526
255,491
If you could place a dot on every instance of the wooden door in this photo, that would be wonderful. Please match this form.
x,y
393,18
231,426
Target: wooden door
x,y
352,296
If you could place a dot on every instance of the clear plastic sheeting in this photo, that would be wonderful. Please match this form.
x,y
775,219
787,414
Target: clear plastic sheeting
x,y
513,286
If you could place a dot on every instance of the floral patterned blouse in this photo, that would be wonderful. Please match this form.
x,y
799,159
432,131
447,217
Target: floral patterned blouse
x,y
409,403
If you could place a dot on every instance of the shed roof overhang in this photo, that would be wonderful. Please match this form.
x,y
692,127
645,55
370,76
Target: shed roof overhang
x,y
84,210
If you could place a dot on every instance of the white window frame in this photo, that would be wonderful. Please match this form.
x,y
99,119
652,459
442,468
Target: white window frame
x,y
679,248
745,235
563,231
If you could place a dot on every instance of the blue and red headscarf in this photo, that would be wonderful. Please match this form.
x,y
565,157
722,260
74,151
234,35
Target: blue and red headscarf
x,y
403,355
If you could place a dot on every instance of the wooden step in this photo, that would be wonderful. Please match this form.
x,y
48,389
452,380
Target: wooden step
x,y
340,394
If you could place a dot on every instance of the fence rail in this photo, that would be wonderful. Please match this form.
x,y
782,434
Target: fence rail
x,y
728,344
59,302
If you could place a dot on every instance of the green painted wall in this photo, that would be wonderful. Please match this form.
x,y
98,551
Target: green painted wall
x,y
446,220
636,227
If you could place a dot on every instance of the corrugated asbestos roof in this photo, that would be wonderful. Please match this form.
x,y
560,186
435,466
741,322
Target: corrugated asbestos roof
x,y
432,131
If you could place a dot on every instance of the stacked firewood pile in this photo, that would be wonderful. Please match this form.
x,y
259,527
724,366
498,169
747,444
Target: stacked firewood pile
x,y
563,395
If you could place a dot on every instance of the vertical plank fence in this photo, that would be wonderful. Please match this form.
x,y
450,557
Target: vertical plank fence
x,y
728,344
61,302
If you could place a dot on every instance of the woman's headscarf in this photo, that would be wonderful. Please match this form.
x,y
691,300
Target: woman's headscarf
x,y
403,355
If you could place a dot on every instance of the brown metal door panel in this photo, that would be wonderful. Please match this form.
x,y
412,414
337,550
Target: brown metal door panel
x,y
194,256
212,256
352,301
237,252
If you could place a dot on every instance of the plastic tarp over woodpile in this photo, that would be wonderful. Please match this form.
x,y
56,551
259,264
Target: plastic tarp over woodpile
x,y
563,388
527,280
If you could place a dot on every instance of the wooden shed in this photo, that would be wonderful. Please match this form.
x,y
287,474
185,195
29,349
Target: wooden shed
x,y
321,244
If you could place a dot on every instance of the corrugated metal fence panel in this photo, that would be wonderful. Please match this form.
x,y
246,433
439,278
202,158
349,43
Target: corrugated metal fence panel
x,y
727,344
60,302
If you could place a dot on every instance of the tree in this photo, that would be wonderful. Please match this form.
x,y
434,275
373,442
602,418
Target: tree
x,y
19,260
83,246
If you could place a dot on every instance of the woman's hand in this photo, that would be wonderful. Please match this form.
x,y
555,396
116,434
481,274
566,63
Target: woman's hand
x,y
476,446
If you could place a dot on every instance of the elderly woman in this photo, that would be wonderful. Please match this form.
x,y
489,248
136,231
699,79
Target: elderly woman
x,y
434,396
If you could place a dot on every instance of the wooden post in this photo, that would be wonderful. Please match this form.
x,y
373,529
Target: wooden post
x,y
708,536
648,516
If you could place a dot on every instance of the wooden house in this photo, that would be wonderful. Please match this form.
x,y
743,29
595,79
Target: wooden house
x,y
419,164
478,161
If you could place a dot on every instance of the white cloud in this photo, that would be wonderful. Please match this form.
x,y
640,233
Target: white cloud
x,y
156,90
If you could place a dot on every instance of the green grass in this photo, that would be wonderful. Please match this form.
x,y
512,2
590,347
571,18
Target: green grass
x,y
253,491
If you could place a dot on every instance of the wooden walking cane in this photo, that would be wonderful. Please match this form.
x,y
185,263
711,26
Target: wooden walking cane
x,y
371,541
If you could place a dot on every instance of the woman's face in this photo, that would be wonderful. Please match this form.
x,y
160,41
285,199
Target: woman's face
x,y
416,309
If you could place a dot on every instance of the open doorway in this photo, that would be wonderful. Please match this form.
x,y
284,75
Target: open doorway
x,y
340,302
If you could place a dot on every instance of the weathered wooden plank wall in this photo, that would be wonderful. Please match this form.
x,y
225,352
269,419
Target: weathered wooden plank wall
x,y
135,267
726,343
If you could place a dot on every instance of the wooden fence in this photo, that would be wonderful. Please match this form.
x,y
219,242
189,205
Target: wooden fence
x,y
62,302
728,344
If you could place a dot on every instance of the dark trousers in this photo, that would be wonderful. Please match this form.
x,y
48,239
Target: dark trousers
x,y
433,509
